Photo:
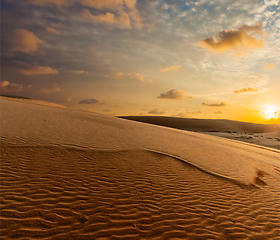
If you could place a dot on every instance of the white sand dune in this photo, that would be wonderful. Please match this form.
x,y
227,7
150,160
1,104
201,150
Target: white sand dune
x,y
71,174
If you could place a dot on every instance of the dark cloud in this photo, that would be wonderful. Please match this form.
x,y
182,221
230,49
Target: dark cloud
x,y
218,112
222,104
174,94
22,40
155,111
42,3
246,90
90,101
6,86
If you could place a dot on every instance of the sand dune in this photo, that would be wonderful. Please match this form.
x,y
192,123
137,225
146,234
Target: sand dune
x,y
205,125
31,101
260,134
74,175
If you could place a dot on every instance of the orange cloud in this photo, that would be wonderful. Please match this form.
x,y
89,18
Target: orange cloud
x,y
246,90
126,10
139,77
109,18
222,104
171,68
78,71
174,94
54,89
38,70
117,75
22,40
51,29
46,2
240,40
269,66
6,86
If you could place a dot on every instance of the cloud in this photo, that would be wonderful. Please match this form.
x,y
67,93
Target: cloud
x,y
108,18
174,94
222,104
126,11
6,86
156,112
136,76
187,113
139,77
246,90
218,112
90,101
51,29
117,75
78,71
54,89
38,70
240,40
269,66
107,110
171,68
47,2
105,4
22,40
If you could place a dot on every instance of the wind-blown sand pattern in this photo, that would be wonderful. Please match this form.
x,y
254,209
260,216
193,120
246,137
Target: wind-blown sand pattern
x,y
74,175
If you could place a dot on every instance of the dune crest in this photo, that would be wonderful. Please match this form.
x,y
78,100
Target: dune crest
x,y
33,101
67,128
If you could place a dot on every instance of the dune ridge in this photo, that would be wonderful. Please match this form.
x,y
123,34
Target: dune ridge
x,y
75,175
44,126
205,125
267,135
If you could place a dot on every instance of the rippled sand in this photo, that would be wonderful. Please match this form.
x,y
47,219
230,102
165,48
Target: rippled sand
x,y
59,183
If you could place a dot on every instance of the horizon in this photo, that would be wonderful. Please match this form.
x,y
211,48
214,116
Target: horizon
x,y
125,116
187,59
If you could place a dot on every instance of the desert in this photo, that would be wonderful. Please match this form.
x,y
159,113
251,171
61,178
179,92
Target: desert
x,y
140,119
68,174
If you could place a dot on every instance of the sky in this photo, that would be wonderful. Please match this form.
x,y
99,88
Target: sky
x,y
195,59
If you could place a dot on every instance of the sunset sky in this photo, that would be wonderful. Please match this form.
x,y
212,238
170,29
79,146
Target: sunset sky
x,y
195,59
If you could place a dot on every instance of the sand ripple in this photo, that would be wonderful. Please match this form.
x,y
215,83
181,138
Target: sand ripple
x,y
52,193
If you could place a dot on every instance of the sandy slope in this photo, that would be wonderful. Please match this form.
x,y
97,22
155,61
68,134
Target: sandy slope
x,y
260,134
69,174
206,125
32,101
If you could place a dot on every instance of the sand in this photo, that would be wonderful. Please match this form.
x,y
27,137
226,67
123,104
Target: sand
x,y
267,135
74,175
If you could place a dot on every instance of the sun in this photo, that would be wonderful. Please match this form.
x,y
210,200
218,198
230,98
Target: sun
x,y
270,111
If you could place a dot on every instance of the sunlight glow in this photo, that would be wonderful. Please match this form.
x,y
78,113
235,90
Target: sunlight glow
x,y
270,111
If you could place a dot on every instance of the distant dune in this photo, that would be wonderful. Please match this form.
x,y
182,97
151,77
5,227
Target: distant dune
x,y
30,100
69,174
205,125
